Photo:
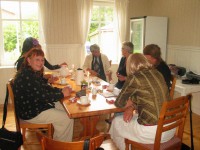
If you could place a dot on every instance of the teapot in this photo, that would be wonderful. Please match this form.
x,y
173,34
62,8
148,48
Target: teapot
x,y
79,76
64,71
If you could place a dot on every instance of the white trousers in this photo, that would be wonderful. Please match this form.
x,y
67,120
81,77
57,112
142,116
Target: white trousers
x,y
134,131
63,126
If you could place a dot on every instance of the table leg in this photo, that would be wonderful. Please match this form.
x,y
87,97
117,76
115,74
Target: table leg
x,y
89,126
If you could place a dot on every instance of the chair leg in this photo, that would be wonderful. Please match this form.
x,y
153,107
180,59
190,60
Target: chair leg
x,y
50,131
126,148
24,134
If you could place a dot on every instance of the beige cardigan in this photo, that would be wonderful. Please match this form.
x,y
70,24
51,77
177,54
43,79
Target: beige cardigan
x,y
104,59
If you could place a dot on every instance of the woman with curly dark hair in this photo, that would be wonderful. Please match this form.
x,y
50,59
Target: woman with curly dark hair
x,y
29,43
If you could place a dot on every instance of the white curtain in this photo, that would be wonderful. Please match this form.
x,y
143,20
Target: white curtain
x,y
121,7
45,6
65,24
84,9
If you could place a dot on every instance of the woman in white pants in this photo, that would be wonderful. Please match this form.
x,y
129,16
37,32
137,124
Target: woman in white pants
x,y
144,90
37,101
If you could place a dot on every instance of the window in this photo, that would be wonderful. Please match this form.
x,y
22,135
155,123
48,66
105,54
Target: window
x,y
19,20
102,30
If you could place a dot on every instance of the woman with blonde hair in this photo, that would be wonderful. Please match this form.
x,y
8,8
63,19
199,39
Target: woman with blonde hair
x,y
145,91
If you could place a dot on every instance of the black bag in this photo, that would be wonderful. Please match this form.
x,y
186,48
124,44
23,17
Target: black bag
x,y
9,140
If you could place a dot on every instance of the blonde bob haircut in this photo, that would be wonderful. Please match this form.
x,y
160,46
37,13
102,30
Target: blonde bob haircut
x,y
137,62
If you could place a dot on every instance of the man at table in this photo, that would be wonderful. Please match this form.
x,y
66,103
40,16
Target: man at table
x,y
97,63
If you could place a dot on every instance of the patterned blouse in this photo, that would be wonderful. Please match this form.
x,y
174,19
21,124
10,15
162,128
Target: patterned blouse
x,y
147,89
33,94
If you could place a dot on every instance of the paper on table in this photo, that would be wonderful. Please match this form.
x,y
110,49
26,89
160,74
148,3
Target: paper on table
x,y
107,94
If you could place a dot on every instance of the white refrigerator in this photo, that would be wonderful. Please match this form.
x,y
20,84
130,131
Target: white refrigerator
x,y
149,30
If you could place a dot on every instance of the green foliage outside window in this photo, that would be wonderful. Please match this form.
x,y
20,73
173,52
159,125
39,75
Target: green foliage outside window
x,y
101,16
29,28
10,38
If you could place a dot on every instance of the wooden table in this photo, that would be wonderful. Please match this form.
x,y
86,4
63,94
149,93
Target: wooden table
x,y
89,115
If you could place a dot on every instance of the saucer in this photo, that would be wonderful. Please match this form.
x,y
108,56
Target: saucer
x,y
79,102
63,83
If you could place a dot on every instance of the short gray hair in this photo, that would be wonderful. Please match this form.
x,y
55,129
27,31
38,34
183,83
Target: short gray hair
x,y
94,47
130,45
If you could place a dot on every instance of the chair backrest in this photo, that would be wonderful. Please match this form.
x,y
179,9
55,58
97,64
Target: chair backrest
x,y
172,115
9,85
173,83
49,144
96,141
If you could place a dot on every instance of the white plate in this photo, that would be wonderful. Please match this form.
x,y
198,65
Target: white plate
x,y
79,102
63,83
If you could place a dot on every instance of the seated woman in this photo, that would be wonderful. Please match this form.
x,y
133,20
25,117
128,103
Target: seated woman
x,y
144,90
29,43
127,49
37,101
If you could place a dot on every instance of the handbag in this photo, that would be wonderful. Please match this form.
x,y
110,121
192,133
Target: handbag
x,y
9,140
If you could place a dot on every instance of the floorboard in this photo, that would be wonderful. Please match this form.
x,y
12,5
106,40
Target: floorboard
x,y
102,126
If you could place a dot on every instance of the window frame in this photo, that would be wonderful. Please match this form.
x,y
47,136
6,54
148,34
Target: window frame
x,y
116,46
20,20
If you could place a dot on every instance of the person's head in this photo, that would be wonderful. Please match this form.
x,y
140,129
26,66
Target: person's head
x,y
29,43
95,50
127,48
137,62
34,59
153,54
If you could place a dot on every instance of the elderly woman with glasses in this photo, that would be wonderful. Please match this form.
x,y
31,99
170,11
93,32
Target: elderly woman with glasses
x,y
127,49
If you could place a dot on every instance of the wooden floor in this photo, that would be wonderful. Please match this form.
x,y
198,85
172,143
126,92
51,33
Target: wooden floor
x,y
102,126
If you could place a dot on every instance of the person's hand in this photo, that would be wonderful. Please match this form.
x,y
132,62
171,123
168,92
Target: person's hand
x,y
52,79
66,91
47,76
129,103
93,73
128,114
121,77
63,64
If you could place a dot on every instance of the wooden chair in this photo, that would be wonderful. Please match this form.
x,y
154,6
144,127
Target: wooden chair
x,y
172,115
173,83
22,125
50,144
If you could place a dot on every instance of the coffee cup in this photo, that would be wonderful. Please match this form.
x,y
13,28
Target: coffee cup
x,y
111,87
84,100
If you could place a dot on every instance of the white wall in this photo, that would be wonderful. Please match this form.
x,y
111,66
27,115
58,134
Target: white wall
x,y
184,56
